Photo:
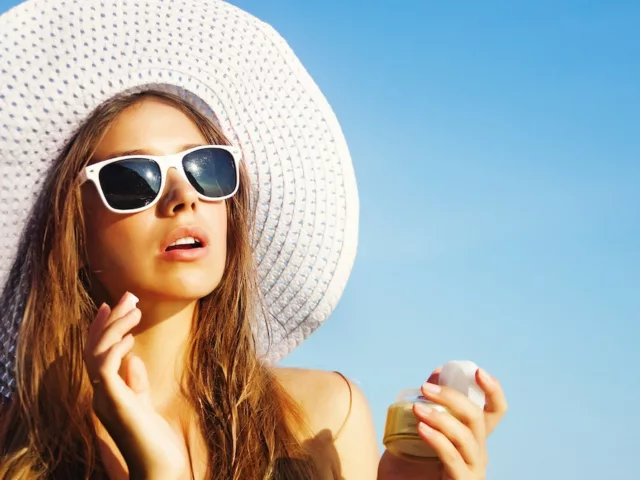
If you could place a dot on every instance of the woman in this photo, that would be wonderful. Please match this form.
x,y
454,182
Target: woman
x,y
137,281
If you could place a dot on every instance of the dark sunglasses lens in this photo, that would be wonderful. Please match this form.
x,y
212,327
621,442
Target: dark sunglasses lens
x,y
211,171
130,184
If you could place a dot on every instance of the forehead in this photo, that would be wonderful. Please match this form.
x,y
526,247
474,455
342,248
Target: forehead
x,y
151,125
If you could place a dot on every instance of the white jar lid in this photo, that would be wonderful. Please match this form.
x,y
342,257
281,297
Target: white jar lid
x,y
461,376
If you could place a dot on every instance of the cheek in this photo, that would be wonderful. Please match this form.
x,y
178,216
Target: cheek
x,y
114,242
217,228
94,222
117,243
221,231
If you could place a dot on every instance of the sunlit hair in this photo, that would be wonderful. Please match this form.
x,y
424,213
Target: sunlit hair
x,y
248,421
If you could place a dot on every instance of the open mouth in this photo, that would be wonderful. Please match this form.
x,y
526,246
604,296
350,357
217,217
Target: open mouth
x,y
186,243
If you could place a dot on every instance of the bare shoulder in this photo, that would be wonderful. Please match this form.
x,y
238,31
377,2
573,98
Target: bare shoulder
x,y
338,414
325,397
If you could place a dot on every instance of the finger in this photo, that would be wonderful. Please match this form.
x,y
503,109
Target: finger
x,y
98,324
457,433
435,376
116,331
446,451
137,378
88,356
496,401
108,369
460,406
127,303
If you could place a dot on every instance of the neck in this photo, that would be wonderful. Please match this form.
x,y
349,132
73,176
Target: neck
x,y
161,342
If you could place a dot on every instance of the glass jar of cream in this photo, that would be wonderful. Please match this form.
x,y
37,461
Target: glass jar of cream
x,y
401,429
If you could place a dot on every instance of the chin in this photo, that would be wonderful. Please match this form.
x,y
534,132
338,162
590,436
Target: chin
x,y
191,284
190,289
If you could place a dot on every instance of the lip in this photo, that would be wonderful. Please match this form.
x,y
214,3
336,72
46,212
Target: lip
x,y
187,255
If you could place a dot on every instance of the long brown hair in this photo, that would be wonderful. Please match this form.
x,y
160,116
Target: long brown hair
x,y
248,421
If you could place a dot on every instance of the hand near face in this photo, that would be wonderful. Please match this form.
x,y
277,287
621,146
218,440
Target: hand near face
x,y
121,401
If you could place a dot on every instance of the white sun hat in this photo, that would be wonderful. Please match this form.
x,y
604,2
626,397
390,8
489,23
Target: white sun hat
x,y
61,59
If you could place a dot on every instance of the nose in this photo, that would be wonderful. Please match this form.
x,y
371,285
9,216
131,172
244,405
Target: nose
x,y
179,195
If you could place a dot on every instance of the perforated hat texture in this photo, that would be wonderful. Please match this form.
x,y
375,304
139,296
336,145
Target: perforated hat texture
x,y
59,60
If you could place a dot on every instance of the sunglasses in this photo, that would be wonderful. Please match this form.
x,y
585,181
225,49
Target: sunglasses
x,y
134,183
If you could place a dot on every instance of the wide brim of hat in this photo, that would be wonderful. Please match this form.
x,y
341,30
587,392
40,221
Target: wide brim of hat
x,y
59,60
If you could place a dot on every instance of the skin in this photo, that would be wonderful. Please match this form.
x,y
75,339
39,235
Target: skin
x,y
134,352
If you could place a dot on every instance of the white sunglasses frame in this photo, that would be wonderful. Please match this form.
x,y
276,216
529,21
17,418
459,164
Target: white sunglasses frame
x,y
91,173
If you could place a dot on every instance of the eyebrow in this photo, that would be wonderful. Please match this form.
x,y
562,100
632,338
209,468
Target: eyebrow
x,y
144,151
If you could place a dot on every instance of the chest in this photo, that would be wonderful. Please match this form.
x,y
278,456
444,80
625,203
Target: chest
x,y
192,445
194,448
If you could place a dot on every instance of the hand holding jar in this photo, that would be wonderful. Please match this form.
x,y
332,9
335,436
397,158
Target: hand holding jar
x,y
439,432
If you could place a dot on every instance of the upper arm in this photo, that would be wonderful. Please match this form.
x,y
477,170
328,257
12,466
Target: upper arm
x,y
355,441
342,435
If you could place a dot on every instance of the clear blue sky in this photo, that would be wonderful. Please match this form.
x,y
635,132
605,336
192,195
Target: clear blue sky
x,y
497,149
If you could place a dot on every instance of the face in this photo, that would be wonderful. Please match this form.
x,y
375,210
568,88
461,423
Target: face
x,y
131,252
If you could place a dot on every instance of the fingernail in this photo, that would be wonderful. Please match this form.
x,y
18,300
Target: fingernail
x,y
423,410
432,388
486,378
101,310
132,298
425,429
